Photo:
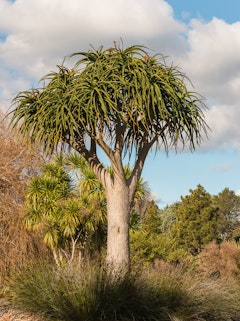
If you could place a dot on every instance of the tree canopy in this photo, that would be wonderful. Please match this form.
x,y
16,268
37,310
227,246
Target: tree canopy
x,y
119,98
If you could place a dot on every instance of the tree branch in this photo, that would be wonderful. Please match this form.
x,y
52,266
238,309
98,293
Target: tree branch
x,y
93,147
138,167
91,157
115,156
120,130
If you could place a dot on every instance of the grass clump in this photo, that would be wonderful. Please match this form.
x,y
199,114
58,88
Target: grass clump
x,y
90,294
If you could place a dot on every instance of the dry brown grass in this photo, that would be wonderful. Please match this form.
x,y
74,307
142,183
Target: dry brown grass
x,y
14,315
8,314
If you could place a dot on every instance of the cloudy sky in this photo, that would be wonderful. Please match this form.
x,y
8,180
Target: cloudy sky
x,y
201,37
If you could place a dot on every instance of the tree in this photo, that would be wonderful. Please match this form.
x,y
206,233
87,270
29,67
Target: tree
x,y
228,204
196,221
119,101
168,215
68,217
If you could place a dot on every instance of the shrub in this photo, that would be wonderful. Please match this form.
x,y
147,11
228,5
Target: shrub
x,y
18,162
147,248
222,259
91,294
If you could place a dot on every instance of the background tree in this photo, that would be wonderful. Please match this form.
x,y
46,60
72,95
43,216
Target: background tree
x,y
69,218
197,221
168,217
123,101
228,204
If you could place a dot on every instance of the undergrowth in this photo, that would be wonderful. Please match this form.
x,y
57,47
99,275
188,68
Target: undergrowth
x,y
89,293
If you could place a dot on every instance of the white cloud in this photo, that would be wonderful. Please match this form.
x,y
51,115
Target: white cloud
x,y
213,59
237,192
37,34
212,62
40,32
223,167
223,121
10,84
154,197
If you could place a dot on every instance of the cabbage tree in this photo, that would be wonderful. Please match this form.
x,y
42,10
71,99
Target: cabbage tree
x,y
121,102
64,217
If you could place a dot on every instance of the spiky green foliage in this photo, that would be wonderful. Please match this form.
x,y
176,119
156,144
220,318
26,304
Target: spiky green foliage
x,y
68,215
117,97
46,199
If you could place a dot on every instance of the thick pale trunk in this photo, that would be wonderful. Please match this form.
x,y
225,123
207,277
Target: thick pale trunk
x,y
118,211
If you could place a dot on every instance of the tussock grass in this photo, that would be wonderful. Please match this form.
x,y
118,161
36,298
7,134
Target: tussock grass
x,y
90,294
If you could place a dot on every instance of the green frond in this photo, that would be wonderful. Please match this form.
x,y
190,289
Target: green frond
x,y
75,161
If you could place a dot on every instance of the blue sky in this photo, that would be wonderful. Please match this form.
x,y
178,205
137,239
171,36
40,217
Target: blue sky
x,y
217,168
206,9
202,37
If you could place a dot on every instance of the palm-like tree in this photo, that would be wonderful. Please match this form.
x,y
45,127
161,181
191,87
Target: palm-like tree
x,y
123,101
47,196
65,219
